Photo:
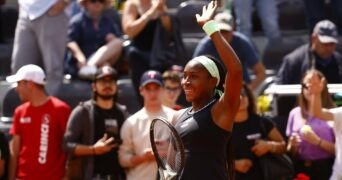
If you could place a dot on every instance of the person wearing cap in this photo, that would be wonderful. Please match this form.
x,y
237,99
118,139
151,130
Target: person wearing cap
x,y
320,53
38,128
92,137
135,153
242,46
94,39
40,38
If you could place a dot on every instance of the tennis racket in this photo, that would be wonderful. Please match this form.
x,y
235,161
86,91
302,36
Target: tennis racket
x,y
167,148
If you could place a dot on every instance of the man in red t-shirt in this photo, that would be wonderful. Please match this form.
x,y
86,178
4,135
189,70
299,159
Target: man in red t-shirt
x,y
38,128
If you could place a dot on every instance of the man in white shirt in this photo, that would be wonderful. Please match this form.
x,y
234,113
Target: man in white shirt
x,y
315,88
40,38
135,153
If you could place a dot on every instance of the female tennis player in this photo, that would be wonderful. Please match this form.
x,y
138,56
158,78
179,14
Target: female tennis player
x,y
205,127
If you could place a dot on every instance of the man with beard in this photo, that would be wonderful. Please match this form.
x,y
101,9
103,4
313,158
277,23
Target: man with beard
x,y
92,137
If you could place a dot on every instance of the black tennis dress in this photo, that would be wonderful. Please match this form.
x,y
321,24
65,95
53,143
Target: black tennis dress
x,y
204,143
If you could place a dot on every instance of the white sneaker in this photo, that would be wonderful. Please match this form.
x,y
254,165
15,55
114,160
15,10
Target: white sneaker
x,y
87,72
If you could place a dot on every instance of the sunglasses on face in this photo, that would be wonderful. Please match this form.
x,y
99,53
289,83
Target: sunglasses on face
x,y
94,1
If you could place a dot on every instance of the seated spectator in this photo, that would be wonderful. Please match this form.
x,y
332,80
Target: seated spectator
x,y
320,54
241,44
140,20
253,137
94,40
172,89
311,140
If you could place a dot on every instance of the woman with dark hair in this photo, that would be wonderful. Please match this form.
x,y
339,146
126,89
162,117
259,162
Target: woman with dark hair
x,y
206,126
253,137
311,140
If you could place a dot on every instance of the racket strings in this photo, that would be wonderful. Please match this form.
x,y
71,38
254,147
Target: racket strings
x,y
168,149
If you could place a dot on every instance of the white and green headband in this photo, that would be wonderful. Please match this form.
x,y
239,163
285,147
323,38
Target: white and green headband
x,y
210,66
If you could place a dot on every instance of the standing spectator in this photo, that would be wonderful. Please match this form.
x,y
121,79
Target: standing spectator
x,y
140,19
172,89
94,39
253,137
320,53
4,156
243,47
267,12
318,10
40,38
316,87
93,130
37,130
135,153
311,140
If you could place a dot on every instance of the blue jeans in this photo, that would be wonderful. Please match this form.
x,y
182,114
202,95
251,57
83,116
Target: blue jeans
x,y
316,11
267,12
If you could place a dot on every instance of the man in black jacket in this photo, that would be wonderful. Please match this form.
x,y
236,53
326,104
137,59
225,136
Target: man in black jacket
x,y
321,54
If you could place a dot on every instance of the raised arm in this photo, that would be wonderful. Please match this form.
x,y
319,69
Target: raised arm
x,y
225,110
315,88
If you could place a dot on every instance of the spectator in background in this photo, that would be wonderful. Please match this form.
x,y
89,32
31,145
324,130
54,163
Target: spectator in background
x,y
267,12
253,136
135,153
316,87
93,130
172,89
37,130
311,141
320,54
318,10
4,156
140,19
40,38
94,39
249,57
